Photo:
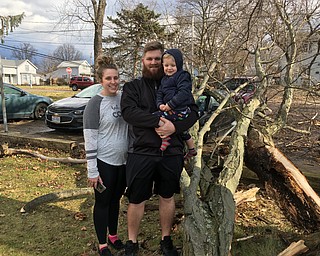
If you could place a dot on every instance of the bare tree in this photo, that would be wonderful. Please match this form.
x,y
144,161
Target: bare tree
x,y
67,52
242,38
24,51
86,12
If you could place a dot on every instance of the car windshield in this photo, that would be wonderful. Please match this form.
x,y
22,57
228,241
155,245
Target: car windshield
x,y
89,92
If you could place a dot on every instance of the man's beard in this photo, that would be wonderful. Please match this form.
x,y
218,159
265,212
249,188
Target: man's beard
x,y
152,75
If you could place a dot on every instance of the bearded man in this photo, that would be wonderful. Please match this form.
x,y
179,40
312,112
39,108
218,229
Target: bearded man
x,y
149,170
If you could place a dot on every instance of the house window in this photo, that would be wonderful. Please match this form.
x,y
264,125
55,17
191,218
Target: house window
x,y
317,72
27,67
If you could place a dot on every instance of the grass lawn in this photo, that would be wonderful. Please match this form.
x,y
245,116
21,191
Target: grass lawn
x,y
65,228
52,91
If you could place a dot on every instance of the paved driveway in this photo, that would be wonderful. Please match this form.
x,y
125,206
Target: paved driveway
x,y
36,133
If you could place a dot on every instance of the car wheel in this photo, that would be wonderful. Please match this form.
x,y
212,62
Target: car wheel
x,y
74,87
40,110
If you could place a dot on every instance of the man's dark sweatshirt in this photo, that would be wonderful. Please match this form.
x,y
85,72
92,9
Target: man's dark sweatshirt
x,y
138,102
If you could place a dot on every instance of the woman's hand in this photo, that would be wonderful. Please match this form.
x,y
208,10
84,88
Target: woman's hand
x,y
93,182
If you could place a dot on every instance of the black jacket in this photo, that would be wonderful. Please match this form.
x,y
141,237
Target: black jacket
x,y
176,90
138,102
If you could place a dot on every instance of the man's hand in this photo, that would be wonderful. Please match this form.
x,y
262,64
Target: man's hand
x,y
166,129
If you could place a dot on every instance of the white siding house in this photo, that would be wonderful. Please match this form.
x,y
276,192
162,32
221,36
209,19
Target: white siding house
x,y
19,72
310,59
307,65
79,68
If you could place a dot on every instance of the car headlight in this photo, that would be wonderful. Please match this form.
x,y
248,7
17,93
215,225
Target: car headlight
x,y
78,112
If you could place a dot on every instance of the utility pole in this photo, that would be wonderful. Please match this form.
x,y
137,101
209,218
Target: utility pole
x,y
3,100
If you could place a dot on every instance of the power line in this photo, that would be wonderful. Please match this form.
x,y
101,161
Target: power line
x,y
42,55
47,42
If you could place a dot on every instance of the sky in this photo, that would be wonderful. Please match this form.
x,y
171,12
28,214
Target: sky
x,y
41,28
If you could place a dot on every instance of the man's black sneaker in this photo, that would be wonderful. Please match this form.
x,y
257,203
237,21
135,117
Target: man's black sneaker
x,y
118,245
167,247
105,252
131,249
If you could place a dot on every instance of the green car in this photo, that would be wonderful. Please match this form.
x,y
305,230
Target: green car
x,y
21,104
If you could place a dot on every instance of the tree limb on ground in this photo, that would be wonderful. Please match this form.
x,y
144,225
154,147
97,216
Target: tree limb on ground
x,y
295,248
284,182
6,151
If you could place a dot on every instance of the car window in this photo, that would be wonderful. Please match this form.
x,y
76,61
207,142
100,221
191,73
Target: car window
x,y
79,79
234,83
89,92
86,79
9,90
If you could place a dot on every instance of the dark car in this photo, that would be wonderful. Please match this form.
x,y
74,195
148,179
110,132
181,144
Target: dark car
x,y
67,114
80,82
246,93
223,123
23,105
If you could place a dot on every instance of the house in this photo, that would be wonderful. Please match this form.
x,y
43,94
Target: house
x,y
19,72
306,70
78,68
309,62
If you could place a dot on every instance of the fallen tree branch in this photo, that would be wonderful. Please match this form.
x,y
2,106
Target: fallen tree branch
x,y
296,130
245,196
243,238
5,150
283,181
54,197
295,248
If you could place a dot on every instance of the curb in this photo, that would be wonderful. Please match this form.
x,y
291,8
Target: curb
x,y
15,138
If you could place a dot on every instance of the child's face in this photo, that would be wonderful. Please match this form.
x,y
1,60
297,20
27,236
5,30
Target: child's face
x,y
169,66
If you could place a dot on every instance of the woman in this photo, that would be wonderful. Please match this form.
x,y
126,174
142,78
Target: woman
x,y
106,146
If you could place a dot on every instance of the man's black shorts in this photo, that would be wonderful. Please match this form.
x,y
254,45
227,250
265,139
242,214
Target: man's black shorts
x,y
152,174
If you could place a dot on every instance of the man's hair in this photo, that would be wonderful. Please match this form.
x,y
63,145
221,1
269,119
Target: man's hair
x,y
153,45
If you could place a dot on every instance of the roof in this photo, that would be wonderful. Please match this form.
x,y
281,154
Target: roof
x,y
15,63
73,63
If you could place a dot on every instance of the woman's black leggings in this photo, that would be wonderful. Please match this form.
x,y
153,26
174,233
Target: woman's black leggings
x,y
107,203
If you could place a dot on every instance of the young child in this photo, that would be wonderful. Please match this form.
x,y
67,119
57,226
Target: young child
x,y
174,95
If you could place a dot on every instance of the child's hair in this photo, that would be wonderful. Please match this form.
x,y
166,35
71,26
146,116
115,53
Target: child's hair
x,y
167,56
104,62
152,46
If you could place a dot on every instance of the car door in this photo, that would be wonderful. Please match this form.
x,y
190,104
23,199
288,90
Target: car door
x,y
87,81
17,103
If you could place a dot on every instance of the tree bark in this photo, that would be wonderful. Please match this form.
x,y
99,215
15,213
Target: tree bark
x,y
283,182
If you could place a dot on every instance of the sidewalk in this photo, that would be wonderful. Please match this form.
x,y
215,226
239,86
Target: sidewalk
x,y
36,133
